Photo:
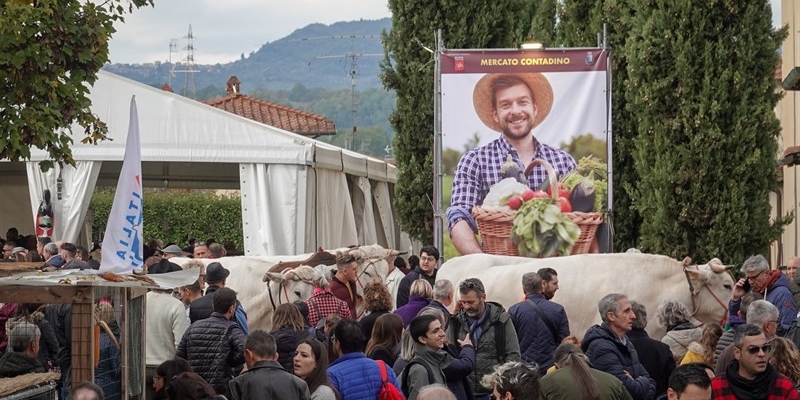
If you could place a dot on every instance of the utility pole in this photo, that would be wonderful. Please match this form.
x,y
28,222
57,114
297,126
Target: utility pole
x,y
189,89
352,71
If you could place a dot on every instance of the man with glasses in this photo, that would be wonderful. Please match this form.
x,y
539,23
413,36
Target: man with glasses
x,y
428,261
489,327
761,314
750,376
772,283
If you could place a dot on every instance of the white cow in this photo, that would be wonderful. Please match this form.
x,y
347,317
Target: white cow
x,y
585,279
261,291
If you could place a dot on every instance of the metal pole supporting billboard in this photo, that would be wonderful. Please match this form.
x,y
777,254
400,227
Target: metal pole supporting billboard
x,y
438,226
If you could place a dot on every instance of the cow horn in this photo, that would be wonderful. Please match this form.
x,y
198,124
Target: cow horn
x,y
687,261
717,266
272,276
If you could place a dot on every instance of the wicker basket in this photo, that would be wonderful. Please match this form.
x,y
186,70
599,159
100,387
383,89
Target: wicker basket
x,y
495,226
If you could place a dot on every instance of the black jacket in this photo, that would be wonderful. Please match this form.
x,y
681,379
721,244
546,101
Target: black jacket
x,y
14,364
213,347
163,266
655,356
608,354
405,284
267,380
286,340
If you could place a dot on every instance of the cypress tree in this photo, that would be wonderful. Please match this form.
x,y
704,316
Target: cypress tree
x,y
408,69
701,87
579,23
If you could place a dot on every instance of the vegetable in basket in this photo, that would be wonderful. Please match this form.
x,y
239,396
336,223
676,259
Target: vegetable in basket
x,y
541,229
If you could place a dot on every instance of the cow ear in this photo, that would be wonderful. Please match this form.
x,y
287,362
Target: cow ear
x,y
687,261
272,276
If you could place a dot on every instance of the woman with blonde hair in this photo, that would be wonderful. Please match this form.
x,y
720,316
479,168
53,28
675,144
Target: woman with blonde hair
x,y
575,379
419,296
785,358
703,351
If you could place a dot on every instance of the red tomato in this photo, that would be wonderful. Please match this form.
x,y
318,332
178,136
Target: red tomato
x,y
565,205
515,202
540,195
563,191
527,195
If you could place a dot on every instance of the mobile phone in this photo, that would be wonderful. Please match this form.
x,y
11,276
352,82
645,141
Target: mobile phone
x,y
746,285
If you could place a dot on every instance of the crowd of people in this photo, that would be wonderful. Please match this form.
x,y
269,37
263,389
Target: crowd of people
x,y
198,345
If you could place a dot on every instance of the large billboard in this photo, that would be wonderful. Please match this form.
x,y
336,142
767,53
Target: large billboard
x,y
519,104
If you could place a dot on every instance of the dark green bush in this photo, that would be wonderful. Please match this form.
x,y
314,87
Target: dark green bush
x,y
177,215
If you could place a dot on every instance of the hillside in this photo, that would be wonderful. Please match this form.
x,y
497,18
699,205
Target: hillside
x,y
317,55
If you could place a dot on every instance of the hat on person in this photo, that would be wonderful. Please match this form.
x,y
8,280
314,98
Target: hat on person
x,y
215,272
16,250
540,89
173,249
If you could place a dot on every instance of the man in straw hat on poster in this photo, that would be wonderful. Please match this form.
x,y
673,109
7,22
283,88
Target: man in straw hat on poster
x,y
512,104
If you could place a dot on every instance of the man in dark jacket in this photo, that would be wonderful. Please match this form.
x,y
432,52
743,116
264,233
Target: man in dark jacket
x,y
610,350
442,298
202,308
541,324
485,323
265,378
428,261
774,285
215,345
655,356
164,265
23,345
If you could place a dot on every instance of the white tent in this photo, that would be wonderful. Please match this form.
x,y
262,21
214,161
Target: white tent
x,y
297,193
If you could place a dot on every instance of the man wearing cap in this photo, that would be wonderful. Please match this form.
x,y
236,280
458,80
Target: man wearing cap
x,y
164,265
202,308
512,104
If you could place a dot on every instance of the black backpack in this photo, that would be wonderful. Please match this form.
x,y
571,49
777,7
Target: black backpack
x,y
407,369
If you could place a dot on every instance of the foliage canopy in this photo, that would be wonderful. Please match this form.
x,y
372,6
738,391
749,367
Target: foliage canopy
x,y
50,51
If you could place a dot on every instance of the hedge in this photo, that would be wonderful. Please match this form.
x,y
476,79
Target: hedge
x,y
174,216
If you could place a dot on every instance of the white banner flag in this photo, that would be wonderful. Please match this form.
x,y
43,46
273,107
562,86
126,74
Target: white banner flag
x,y
122,243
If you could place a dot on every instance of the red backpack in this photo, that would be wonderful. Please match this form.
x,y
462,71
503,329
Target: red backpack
x,y
388,390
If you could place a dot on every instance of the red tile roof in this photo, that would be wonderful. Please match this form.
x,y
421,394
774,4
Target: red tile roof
x,y
279,116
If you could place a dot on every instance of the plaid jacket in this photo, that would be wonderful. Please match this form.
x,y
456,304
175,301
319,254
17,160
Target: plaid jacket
x,y
324,303
783,389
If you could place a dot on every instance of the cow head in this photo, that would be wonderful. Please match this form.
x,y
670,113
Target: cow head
x,y
291,284
373,263
712,287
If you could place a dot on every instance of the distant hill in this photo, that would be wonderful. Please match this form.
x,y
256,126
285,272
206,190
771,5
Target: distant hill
x,y
283,63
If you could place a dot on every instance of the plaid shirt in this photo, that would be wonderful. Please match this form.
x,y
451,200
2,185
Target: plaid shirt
x,y
481,168
783,389
324,303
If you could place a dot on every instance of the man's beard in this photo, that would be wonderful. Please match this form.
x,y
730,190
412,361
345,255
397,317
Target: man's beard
x,y
515,136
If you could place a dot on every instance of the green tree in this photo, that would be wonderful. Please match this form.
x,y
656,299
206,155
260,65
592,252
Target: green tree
x,y
450,159
408,69
701,86
50,52
586,145
579,23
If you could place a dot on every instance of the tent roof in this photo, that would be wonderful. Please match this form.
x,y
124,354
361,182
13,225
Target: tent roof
x,y
174,128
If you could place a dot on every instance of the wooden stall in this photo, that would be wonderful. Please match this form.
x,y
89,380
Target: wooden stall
x,y
82,292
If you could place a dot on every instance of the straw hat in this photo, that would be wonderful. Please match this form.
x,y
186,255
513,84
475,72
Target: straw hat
x,y
540,88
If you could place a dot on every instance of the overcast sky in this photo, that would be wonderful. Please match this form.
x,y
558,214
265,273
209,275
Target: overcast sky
x,y
224,29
